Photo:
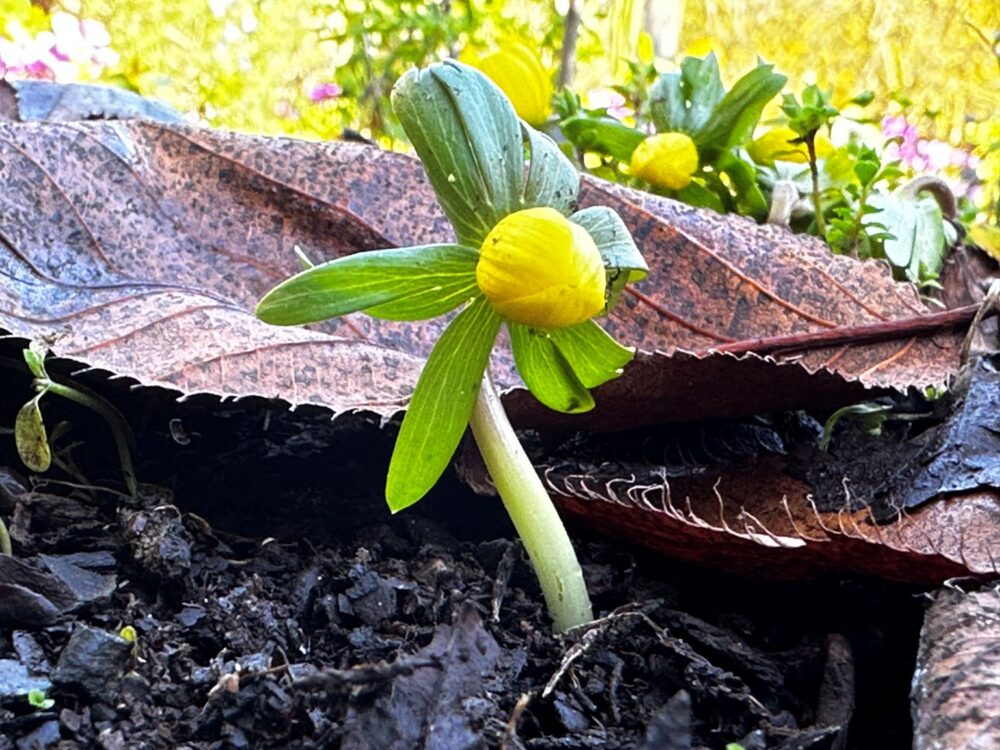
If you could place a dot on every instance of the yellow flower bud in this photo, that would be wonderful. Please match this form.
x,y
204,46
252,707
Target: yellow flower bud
x,y
665,160
776,145
538,268
517,70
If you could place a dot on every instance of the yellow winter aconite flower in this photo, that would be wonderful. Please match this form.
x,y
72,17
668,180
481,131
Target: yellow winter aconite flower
x,y
538,268
519,73
776,145
665,160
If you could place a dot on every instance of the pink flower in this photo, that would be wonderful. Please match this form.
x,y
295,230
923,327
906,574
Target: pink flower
x,y
324,92
904,135
611,101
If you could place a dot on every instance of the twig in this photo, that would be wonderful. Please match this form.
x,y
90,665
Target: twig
x,y
919,325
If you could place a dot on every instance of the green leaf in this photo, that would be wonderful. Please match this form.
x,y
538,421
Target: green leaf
x,y
552,179
409,283
698,195
30,436
622,259
866,171
468,137
872,416
814,112
917,243
34,357
863,99
750,201
545,371
441,404
593,354
683,102
736,115
604,135
37,699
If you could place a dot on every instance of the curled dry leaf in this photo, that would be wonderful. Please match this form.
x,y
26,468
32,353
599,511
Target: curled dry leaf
x,y
141,249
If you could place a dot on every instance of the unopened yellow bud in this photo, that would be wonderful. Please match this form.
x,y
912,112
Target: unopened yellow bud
x,y
665,160
517,70
776,145
538,268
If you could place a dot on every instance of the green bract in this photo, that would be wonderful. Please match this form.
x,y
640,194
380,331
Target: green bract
x,y
484,165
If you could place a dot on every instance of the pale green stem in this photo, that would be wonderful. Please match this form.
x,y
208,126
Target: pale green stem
x,y
119,427
810,140
531,509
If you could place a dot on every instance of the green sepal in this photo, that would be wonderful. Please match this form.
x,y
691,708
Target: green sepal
x,y
411,283
622,259
592,352
469,139
604,135
552,179
736,115
683,101
441,405
546,372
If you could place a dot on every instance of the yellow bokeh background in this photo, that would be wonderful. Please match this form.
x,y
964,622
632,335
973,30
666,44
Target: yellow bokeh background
x,y
254,57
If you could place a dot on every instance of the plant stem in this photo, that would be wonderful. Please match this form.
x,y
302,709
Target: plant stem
x,y
116,422
567,53
531,509
857,219
810,140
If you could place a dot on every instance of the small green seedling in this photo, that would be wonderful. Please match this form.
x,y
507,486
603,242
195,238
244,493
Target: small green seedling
x,y
38,700
806,119
522,259
871,415
32,438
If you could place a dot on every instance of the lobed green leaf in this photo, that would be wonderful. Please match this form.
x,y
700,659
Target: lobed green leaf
x,y
411,283
914,239
604,135
468,137
441,404
546,372
683,102
552,179
735,116
592,352
622,259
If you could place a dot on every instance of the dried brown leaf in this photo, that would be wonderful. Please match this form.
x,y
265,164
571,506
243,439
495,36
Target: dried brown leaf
x,y
142,249
956,684
759,520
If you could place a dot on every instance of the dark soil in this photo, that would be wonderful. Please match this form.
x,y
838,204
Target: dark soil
x,y
275,603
